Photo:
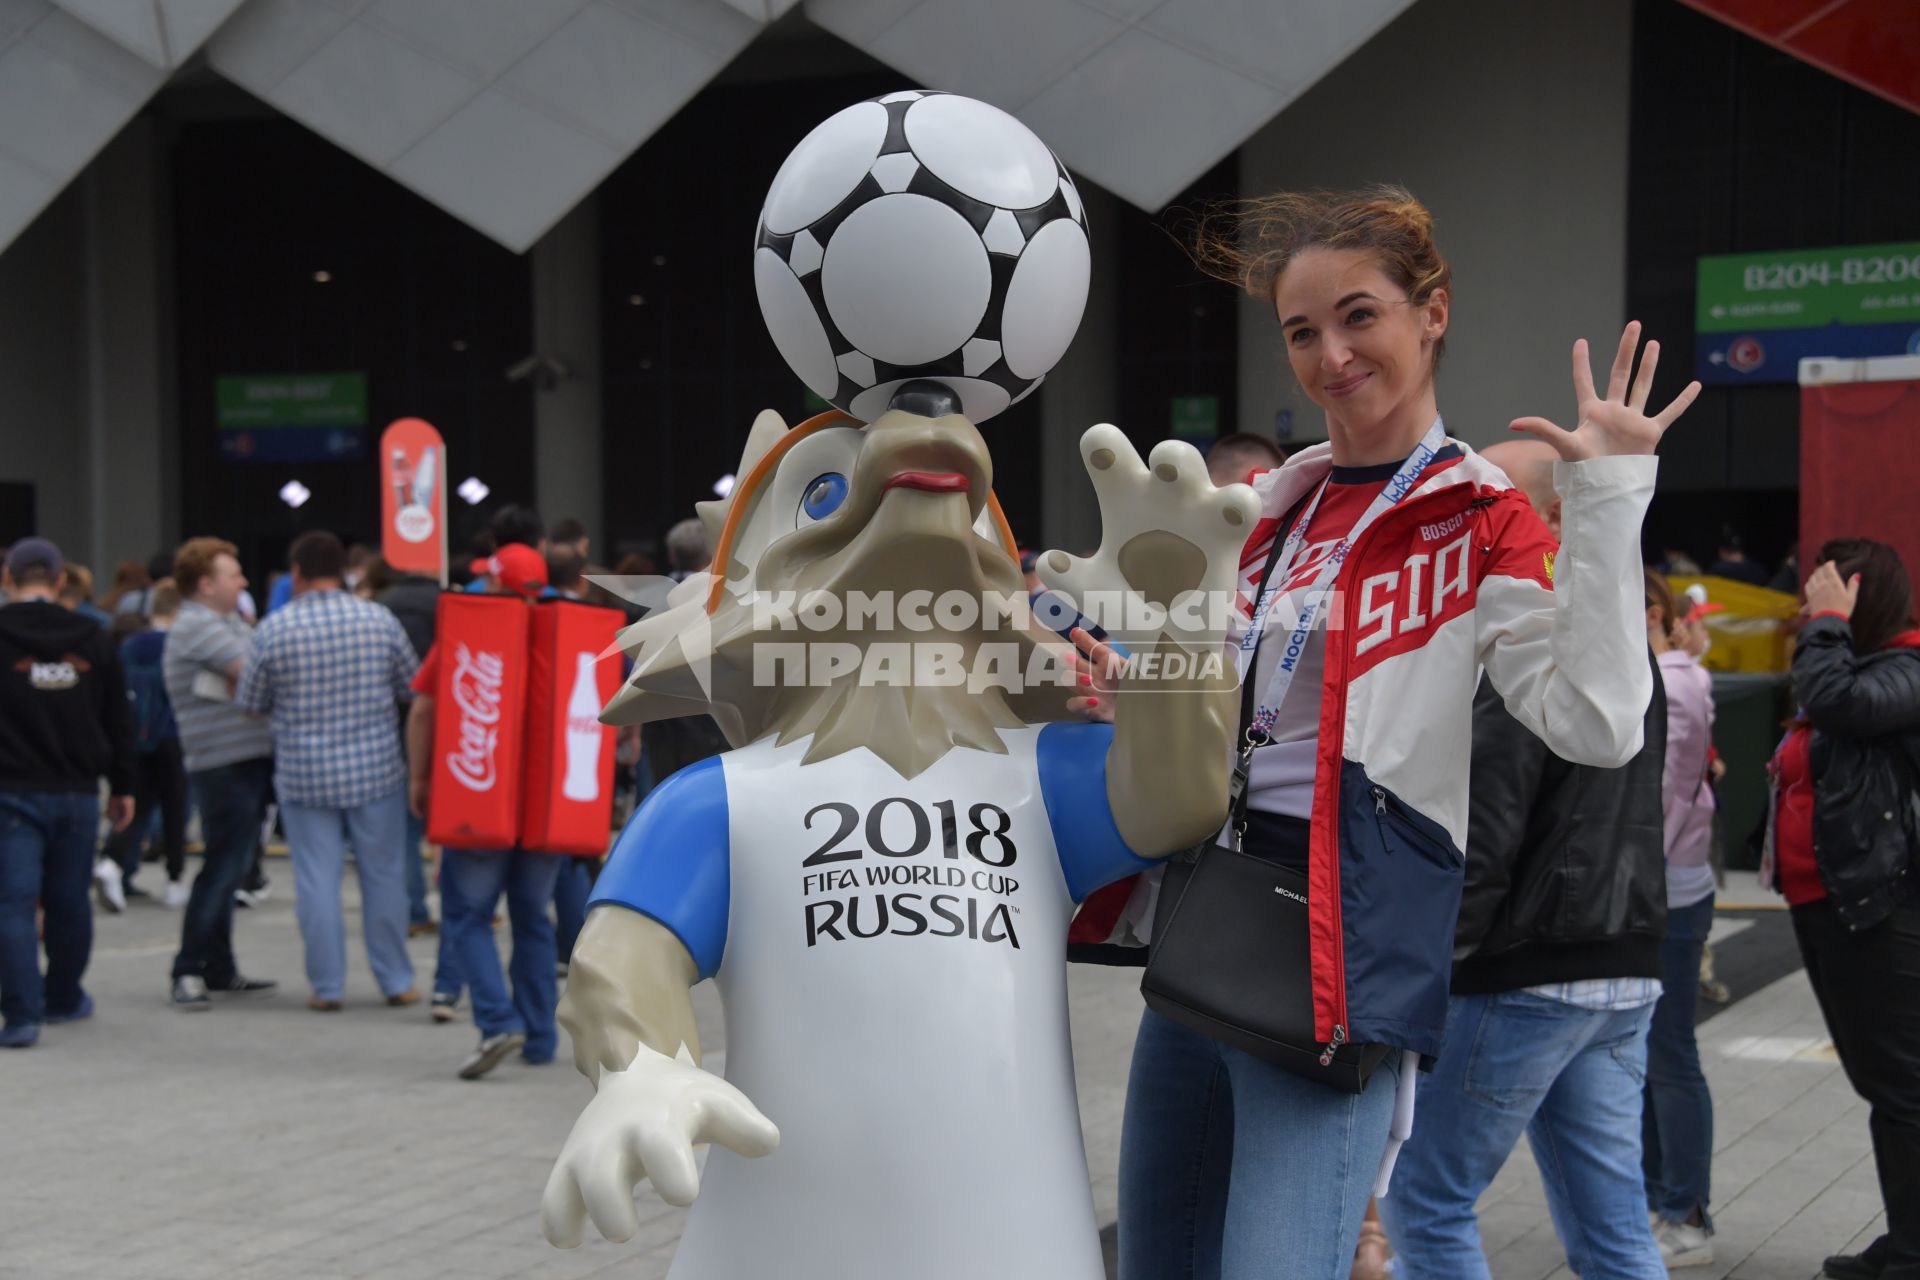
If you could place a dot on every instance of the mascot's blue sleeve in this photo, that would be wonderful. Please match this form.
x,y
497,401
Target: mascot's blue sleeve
x,y
670,862
1073,783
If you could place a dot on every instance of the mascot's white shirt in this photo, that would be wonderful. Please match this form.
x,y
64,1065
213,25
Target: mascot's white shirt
x,y
892,965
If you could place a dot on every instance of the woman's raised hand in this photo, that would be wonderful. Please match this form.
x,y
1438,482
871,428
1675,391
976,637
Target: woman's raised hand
x,y
1828,592
1619,423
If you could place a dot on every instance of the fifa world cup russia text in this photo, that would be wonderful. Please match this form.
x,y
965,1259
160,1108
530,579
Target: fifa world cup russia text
x,y
880,872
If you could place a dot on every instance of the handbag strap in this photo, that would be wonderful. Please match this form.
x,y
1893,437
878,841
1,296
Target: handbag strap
x,y
1237,782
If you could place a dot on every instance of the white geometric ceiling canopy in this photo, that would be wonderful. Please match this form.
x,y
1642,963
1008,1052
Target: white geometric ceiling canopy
x,y
71,76
505,113
1142,96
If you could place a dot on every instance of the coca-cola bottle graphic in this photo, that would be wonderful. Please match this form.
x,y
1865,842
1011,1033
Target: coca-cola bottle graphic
x,y
583,732
400,475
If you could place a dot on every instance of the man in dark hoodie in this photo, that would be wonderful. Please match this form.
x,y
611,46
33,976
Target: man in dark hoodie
x,y
1556,972
413,598
63,725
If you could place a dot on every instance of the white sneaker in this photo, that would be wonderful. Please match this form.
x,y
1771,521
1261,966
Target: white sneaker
x,y
107,887
177,894
488,1053
1683,1245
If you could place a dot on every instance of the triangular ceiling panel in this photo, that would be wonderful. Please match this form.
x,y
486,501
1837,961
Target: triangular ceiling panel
x,y
763,10
68,84
505,113
162,32
1142,96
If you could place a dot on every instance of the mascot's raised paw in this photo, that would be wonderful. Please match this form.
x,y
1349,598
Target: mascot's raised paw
x,y
1170,545
644,1122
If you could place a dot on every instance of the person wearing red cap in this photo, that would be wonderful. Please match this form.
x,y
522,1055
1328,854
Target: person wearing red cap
x,y
509,1017
514,568
511,526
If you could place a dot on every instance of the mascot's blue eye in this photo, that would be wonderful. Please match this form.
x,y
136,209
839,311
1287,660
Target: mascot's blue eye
x,y
824,496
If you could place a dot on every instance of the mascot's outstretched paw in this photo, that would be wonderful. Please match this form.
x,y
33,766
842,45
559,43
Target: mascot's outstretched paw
x,y
644,1123
1166,533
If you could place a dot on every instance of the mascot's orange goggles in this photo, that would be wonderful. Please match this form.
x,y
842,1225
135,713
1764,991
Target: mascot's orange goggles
x,y
747,489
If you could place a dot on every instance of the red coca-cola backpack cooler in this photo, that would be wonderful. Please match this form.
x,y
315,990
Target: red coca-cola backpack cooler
x,y
520,756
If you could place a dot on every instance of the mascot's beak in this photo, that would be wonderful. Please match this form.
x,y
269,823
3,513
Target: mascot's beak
x,y
942,455
916,491
930,481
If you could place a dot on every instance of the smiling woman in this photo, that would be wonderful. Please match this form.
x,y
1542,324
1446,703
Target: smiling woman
x,y
1431,568
1363,310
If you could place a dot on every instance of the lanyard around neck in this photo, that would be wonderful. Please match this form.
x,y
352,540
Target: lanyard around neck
x,y
1288,554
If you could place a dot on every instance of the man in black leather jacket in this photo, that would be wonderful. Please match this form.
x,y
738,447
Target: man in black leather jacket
x,y
1556,971
1566,865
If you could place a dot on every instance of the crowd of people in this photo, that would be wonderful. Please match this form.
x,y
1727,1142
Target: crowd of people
x,y
1558,1001
314,721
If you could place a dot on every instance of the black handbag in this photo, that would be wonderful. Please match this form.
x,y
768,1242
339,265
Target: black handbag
x,y
1230,956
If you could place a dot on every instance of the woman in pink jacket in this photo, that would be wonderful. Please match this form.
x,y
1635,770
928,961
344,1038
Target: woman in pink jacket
x,y
1677,1143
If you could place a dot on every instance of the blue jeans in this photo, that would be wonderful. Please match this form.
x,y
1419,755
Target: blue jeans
x,y
317,843
1677,1132
1570,1078
446,964
1236,1169
233,800
47,840
570,892
416,871
478,876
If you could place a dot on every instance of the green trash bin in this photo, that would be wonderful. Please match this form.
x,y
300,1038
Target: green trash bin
x,y
1748,713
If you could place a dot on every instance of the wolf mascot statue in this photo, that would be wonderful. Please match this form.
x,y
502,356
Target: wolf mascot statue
x,y
880,874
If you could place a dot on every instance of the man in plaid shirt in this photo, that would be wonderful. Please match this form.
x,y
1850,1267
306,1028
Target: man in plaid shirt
x,y
329,669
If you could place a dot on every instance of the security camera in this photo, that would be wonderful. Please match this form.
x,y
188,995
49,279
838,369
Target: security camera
x,y
545,372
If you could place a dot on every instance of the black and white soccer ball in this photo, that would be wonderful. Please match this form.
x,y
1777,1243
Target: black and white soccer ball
x,y
922,235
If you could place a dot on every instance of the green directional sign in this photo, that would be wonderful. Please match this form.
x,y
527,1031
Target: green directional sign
x,y
1195,418
291,417
1807,288
254,401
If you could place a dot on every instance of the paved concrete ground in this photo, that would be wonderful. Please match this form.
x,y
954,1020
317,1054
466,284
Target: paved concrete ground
x,y
264,1141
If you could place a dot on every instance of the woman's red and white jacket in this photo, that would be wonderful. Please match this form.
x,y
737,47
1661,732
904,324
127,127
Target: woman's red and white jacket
x,y
1461,575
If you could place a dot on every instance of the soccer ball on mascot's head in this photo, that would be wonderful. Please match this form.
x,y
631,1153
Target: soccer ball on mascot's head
x,y
922,235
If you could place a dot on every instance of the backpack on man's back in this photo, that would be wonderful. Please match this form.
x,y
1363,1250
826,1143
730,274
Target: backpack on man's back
x,y
140,660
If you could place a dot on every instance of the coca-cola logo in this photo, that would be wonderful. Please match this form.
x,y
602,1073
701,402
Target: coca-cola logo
x,y
477,678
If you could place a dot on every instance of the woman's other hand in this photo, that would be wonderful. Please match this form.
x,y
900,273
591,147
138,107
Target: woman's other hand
x,y
1826,593
1099,668
1619,423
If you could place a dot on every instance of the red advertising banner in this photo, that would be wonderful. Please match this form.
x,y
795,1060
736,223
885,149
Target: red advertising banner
x,y
413,498
1859,421
1874,44
568,773
480,696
